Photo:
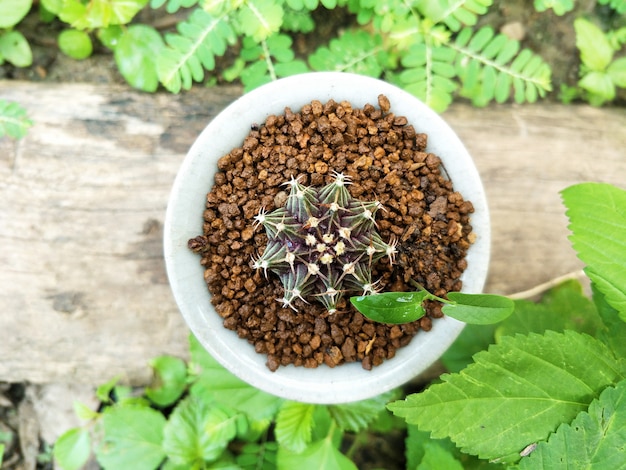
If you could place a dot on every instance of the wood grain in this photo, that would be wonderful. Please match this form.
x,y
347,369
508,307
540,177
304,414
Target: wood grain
x,y
84,292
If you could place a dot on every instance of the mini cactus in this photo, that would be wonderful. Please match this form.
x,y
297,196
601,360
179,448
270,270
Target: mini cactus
x,y
322,243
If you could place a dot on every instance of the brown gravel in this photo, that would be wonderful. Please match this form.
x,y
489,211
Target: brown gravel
x,y
386,160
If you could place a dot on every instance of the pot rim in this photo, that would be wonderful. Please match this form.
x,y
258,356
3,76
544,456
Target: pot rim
x,y
324,385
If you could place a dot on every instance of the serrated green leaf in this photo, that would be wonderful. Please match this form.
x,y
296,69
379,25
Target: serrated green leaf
x,y
561,308
596,439
391,307
435,456
14,121
617,72
135,56
358,415
595,50
132,438
13,11
227,389
294,424
72,449
258,456
197,432
320,454
14,48
169,380
614,332
515,393
479,309
597,214
473,339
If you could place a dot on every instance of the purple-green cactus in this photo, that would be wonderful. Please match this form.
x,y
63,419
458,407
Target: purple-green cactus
x,y
322,243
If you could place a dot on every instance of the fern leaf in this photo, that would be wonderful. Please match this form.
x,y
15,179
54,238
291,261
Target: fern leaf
x,y
354,51
260,19
428,74
193,50
13,120
560,7
490,68
271,59
172,6
454,13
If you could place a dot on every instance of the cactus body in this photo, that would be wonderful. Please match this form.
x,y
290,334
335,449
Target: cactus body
x,y
322,243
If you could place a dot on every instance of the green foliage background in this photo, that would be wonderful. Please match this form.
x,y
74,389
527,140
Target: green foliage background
x,y
542,388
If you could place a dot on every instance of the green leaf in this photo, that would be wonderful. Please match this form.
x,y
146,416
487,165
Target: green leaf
x,y
596,439
419,77
13,120
454,14
478,309
354,51
391,307
201,38
357,416
1,453
614,332
198,431
72,449
110,36
595,50
169,381
75,44
597,214
103,392
135,56
132,438
14,48
515,393
320,455
294,424
83,412
560,7
435,456
13,11
260,19
600,87
258,456
473,339
617,72
227,389
561,308
99,13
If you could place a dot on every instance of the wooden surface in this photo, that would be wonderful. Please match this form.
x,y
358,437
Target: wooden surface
x,y
84,294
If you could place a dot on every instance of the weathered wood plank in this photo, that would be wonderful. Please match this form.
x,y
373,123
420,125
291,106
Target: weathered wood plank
x,y
84,294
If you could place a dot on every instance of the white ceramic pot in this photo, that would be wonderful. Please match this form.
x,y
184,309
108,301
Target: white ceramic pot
x,y
347,382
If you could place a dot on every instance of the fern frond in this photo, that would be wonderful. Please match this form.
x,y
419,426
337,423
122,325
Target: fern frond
x,y
383,14
618,5
491,67
172,6
454,13
13,120
193,50
271,59
353,51
429,73
259,19
560,7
